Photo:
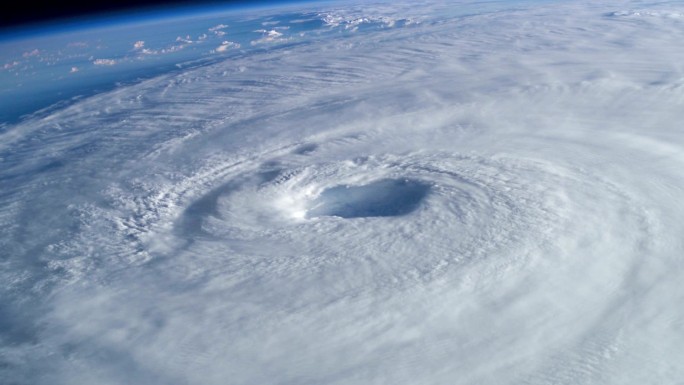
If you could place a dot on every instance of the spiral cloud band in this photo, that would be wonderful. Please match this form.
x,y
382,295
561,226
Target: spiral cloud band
x,y
488,197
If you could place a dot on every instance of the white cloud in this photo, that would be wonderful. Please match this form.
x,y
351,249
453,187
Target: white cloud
x,y
226,45
218,27
32,53
489,197
104,62
187,39
269,36
10,65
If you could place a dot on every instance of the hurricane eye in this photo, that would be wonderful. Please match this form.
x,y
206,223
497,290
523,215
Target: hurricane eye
x,y
384,198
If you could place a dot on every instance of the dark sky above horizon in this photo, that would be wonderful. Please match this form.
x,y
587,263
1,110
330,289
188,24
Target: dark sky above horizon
x,y
27,13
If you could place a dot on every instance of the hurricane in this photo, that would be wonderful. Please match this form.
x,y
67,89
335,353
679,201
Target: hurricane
x,y
409,193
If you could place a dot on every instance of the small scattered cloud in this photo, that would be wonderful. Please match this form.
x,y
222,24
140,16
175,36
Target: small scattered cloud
x,y
10,65
226,45
271,36
187,39
218,27
138,44
352,23
104,62
34,52
217,30
173,48
73,69
299,21
266,23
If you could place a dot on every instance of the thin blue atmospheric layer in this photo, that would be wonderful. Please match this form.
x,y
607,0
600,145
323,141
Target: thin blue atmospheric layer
x,y
383,198
56,67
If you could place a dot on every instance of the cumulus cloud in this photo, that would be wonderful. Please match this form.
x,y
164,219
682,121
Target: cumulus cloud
x,y
218,27
10,65
32,53
187,39
269,36
226,45
104,62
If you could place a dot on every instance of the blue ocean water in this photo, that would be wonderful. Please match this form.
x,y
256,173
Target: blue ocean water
x,y
51,66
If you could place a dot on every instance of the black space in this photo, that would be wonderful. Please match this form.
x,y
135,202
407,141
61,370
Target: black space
x,y
26,13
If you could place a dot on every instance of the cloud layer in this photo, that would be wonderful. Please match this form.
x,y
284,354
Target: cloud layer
x,y
482,196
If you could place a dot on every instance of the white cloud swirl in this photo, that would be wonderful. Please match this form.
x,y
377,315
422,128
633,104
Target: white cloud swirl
x,y
524,172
